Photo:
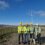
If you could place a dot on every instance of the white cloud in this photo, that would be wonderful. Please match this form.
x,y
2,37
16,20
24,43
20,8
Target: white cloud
x,y
40,13
3,5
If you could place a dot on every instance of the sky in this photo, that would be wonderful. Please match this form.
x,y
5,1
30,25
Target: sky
x,y
12,12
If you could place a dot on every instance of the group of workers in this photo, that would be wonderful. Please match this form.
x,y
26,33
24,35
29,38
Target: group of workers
x,y
28,33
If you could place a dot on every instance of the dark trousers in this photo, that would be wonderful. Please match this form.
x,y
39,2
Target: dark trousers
x,y
19,38
31,35
39,38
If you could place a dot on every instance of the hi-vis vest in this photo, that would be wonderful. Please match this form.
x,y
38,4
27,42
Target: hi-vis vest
x,y
26,29
20,29
31,30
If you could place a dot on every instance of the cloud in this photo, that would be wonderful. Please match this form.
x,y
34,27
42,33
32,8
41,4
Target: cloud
x,y
36,13
40,13
3,5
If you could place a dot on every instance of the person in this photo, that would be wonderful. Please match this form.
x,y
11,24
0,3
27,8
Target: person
x,y
38,33
39,36
26,34
32,33
20,33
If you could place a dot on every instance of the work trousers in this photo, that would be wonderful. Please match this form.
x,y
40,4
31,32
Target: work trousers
x,y
26,38
19,37
39,38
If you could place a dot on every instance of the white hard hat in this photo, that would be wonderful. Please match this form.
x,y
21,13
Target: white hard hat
x,y
37,24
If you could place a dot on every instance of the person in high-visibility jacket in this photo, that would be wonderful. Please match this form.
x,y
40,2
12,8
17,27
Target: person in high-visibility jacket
x,y
26,34
31,33
20,32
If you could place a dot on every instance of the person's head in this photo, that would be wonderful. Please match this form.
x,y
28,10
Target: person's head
x,y
20,23
37,25
26,24
31,24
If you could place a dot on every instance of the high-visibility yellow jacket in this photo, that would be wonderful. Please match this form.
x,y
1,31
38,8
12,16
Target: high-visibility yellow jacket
x,y
26,29
31,30
20,29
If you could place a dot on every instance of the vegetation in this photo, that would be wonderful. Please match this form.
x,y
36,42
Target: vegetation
x,y
8,30
5,33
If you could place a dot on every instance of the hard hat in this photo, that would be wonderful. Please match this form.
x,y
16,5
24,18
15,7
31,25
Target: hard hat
x,y
30,23
37,24
20,22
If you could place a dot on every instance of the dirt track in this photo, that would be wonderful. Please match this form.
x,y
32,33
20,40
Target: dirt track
x,y
14,40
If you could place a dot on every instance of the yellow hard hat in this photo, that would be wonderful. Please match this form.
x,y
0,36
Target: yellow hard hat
x,y
20,22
